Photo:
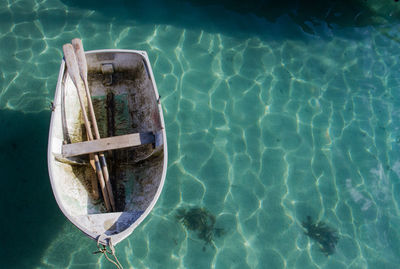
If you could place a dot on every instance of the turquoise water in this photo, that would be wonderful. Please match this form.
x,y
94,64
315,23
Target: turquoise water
x,y
274,112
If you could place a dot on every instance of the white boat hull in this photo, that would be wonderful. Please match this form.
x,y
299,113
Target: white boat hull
x,y
126,101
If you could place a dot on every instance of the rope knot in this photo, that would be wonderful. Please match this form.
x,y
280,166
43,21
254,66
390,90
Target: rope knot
x,y
103,249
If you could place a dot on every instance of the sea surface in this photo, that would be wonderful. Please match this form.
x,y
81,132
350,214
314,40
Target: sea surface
x,y
276,112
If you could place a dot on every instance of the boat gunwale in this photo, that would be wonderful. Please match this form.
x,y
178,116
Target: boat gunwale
x,y
116,238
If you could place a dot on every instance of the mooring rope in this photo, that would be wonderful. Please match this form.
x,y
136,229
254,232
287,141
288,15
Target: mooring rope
x,y
103,249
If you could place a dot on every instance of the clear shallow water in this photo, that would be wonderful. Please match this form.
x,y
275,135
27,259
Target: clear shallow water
x,y
270,117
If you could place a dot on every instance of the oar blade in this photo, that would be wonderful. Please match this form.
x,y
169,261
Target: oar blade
x,y
72,65
80,54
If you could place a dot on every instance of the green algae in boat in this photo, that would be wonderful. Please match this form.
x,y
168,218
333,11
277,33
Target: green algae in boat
x,y
132,129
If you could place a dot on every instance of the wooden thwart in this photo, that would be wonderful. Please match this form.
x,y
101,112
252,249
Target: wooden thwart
x,y
109,143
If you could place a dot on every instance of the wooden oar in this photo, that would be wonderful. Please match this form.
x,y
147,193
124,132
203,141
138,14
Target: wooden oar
x,y
95,188
73,71
80,55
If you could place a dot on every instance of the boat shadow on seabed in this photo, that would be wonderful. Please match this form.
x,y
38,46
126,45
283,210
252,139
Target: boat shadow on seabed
x,y
28,210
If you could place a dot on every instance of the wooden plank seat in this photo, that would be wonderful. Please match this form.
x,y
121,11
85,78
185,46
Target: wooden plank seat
x,y
111,143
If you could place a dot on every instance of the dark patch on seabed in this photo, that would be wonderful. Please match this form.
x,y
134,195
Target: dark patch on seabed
x,y
202,221
27,204
325,236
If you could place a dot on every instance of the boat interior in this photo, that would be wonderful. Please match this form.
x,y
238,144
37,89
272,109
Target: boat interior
x,y
125,103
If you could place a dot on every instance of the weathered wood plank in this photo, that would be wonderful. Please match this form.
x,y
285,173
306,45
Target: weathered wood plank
x,y
109,143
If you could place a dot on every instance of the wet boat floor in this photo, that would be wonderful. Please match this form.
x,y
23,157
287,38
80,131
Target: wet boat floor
x,y
134,172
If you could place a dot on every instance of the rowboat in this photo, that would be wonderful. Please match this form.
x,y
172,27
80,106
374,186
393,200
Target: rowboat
x,y
133,139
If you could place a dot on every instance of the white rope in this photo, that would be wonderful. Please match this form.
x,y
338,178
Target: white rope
x,y
103,249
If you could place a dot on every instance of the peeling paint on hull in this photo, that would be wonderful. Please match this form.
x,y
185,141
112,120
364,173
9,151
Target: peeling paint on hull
x,y
125,101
